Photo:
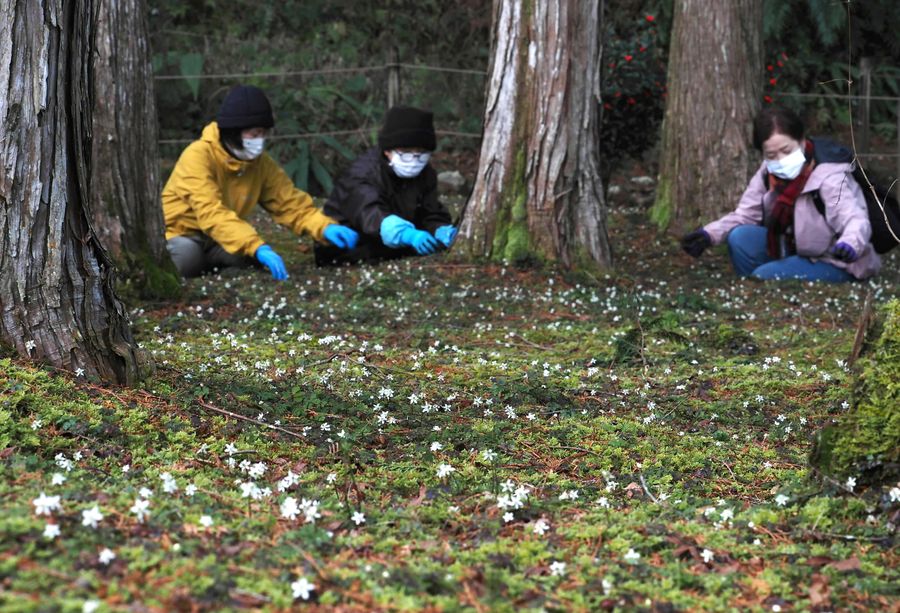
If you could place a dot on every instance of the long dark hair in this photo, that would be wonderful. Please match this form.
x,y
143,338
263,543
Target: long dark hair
x,y
774,119
231,138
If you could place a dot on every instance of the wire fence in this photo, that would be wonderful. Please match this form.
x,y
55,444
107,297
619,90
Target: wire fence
x,y
863,100
393,72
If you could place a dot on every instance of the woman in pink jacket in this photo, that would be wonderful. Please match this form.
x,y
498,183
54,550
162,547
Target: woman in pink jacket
x,y
776,231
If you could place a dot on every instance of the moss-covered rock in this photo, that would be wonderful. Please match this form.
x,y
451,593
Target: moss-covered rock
x,y
866,442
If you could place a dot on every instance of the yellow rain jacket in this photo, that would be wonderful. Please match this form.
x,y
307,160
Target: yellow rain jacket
x,y
212,192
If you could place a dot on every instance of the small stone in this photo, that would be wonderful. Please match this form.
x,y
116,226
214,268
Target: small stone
x,y
644,181
614,190
452,180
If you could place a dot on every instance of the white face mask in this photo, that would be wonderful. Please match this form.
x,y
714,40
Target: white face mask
x,y
788,167
407,165
252,148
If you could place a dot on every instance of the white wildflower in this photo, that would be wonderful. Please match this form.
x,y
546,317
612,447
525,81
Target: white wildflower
x,y
107,556
91,517
45,505
301,588
141,508
558,569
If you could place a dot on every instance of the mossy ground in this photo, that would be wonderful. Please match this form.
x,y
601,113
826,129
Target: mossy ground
x,y
646,432
867,441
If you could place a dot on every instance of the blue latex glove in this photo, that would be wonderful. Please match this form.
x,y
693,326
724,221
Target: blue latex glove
x,y
341,236
845,252
266,256
445,234
397,232
420,240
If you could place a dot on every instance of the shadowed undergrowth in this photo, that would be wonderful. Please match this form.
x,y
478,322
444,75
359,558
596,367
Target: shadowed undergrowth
x,y
432,434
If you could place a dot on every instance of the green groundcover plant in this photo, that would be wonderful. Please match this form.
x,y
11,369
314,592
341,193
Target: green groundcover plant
x,y
438,435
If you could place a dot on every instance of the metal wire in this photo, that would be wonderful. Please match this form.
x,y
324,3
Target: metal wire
x,y
306,135
320,71
285,73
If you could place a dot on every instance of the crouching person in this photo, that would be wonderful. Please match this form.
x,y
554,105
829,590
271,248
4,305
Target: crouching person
x,y
389,195
218,181
798,218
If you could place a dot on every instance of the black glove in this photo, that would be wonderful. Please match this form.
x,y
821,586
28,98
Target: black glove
x,y
695,242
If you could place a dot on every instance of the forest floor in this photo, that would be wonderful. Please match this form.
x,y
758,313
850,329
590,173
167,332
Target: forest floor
x,y
433,435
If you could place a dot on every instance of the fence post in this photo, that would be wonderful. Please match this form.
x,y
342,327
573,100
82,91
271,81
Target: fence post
x,y
865,75
393,77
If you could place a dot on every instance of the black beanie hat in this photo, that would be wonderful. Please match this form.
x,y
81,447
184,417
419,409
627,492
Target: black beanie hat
x,y
245,106
405,126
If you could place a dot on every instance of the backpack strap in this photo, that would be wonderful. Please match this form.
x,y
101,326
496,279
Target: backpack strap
x,y
817,200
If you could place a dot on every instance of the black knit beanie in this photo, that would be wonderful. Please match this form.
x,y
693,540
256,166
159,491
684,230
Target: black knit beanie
x,y
245,106
405,126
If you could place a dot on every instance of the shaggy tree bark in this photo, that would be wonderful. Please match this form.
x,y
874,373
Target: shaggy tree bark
x,y
125,203
57,302
538,191
714,91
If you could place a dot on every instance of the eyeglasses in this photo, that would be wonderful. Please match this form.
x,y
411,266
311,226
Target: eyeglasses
x,y
413,156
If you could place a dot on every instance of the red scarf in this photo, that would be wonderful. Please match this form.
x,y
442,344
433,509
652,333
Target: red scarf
x,y
782,215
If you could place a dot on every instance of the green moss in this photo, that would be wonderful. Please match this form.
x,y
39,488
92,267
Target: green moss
x,y
512,241
661,212
868,439
147,278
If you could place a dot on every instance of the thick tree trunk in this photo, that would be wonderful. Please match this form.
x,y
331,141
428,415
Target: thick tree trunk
x,y
714,91
538,192
57,302
125,204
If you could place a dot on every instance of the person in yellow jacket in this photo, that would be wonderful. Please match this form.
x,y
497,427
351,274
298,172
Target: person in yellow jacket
x,y
218,181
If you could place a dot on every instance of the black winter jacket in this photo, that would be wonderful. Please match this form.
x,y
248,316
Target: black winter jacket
x,y
369,191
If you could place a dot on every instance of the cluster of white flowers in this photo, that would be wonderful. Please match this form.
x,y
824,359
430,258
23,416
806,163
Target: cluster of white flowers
x,y
291,509
141,508
169,485
444,471
288,481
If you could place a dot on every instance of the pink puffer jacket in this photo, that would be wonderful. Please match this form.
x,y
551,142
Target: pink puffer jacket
x,y
846,218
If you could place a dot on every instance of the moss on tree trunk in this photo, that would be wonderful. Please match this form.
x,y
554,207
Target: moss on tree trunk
x,y
866,442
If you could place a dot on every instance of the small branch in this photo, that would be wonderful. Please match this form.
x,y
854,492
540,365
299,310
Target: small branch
x,y
725,464
647,489
250,419
865,318
528,342
848,537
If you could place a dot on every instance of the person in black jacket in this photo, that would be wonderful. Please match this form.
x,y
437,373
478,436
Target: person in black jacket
x,y
389,195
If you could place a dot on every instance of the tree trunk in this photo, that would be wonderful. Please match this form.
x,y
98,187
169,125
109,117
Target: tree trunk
x,y
125,202
57,302
538,192
715,86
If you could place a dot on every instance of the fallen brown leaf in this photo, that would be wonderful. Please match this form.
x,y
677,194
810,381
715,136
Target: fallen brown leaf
x,y
819,592
846,565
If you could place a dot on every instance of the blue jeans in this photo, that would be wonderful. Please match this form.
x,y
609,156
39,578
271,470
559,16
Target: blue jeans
x,y
747,249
